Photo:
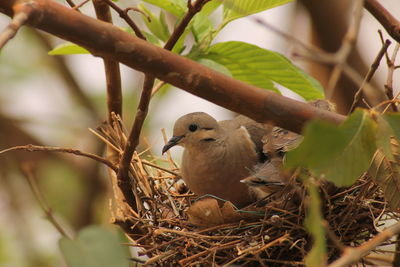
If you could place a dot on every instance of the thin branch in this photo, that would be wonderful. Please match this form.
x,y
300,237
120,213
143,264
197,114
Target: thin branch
x,y
192,10
353,255
389,79
11,30
387,20
108,41
370,74
141,113
72,4
28,171
346,47
111,67
80,5
124,15
33,148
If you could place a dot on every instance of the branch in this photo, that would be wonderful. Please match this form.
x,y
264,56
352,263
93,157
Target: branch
x,y
141,113
108,41
347,45
19,19
32,148
124,15
111,67
390,23
28,171
370,74
353,255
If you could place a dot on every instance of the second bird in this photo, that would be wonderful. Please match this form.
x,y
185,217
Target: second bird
x,y
217,155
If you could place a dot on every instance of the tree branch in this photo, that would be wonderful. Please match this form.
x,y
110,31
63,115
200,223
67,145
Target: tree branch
x,y
111,67
19,19
387,20
105,40
353,255
141,113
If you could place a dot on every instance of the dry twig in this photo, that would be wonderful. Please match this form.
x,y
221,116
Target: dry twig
x,y
27,169
353,255
19,19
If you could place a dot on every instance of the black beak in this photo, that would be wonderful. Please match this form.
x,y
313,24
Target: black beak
x,y
172,142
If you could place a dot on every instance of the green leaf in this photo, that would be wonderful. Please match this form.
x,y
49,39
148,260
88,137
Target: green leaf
x,y
341,154
201,26
261,67
394,121
175,7
214,65
234,9
314,224
157,26
383,137
95,246
68,49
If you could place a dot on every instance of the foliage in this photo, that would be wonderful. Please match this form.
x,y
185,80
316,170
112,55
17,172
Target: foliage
x,y
95,246
243,61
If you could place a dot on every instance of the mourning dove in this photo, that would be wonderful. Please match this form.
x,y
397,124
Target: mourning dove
x,y
217,155
270,178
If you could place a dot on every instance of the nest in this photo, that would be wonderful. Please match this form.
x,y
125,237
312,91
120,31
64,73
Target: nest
x,y
171,227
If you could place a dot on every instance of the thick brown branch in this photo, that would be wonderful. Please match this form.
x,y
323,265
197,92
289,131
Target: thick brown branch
x,y
107,41
111,67
387,20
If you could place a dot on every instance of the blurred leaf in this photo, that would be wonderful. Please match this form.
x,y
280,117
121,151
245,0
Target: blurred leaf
x,y
157,26
95,246
261,67
201,26
234,9
386,173
341,154
210,7
214,65
175,7
151,38
383,137
314,224
68,49
394,121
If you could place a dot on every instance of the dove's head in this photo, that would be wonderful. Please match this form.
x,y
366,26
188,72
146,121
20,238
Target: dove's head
x,y
193,129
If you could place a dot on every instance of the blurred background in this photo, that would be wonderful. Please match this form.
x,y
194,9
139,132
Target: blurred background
x,y
53,100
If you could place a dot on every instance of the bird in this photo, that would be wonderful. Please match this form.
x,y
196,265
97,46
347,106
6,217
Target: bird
x,y
267,178
217,155
270,178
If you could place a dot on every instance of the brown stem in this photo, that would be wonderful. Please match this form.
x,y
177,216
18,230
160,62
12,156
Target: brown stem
x,y
32,148
389,79
111,67
371,72
353,255
141,113
124,15
19,19
110,42
387,20
192,10
28,171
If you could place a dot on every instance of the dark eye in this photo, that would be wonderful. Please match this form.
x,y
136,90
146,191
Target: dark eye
x,y
192,127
